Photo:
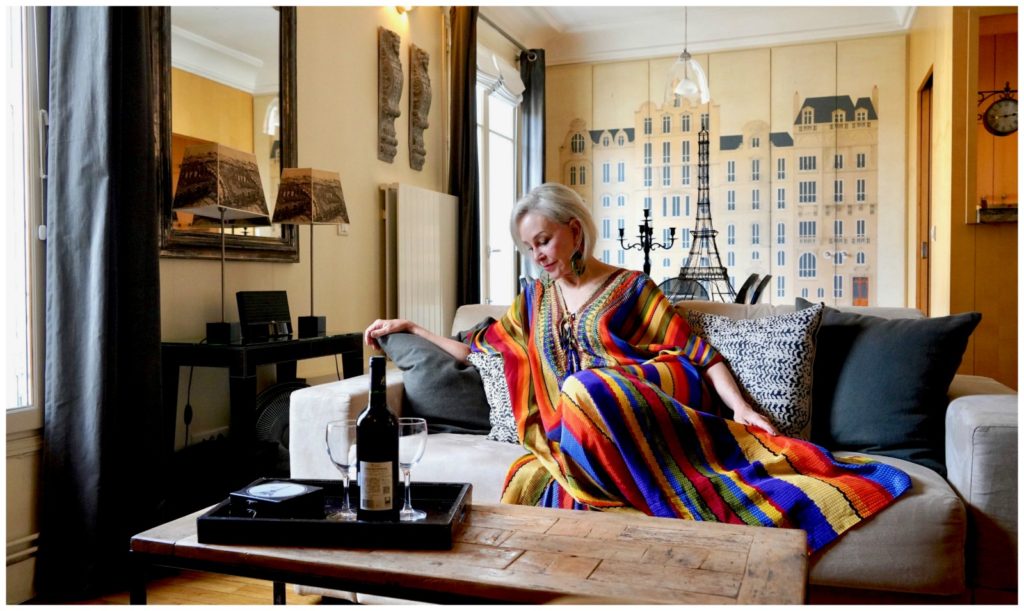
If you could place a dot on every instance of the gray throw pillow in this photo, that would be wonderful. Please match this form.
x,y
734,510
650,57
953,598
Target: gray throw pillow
x,y
772,359
448,394
492,373
880,385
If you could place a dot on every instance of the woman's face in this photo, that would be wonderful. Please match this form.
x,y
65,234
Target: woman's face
x,y
550,243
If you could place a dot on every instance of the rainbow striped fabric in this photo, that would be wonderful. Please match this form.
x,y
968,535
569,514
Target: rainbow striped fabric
x,y
635,430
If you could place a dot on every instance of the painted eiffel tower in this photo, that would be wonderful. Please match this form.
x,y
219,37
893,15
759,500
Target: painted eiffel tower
x,y
703,265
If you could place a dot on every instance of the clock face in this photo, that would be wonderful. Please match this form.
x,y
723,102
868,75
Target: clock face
x,y
1001,117
276,490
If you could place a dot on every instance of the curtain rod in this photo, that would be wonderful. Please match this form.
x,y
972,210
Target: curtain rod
x,y
502,32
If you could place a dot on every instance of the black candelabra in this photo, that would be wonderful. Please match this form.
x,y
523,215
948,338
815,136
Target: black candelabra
x,y
647,243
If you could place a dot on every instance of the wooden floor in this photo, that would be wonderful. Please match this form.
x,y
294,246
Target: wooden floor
x,y
195,588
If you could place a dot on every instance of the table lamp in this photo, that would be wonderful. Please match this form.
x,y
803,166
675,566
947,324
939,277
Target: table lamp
x,y
221,183
310,197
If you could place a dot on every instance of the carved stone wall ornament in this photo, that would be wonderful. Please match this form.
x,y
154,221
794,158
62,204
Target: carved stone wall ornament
x,y
389,92
419,104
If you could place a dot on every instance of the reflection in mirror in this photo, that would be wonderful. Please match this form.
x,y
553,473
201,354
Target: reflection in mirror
x,y
225,75
224,89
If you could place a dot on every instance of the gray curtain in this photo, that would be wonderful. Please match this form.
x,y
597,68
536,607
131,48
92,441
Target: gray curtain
x,y
532,149
464,174
102,369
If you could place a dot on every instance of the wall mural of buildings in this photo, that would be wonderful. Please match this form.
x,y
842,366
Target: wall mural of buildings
x,y
804,183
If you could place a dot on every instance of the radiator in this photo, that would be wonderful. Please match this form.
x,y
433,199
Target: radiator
x,y
419,255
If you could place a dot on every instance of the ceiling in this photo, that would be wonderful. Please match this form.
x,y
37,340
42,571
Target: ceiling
x,y
233,45
573,34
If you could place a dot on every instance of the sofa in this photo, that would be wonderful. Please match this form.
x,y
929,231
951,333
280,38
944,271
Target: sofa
x,y
949,539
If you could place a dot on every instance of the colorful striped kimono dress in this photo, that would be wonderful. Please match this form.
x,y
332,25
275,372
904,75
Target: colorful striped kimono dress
x,y
610,405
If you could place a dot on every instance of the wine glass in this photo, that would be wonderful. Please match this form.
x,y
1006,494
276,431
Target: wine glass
x,y
412,441
341,439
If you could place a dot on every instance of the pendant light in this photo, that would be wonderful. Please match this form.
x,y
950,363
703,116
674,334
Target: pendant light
x,y
686,79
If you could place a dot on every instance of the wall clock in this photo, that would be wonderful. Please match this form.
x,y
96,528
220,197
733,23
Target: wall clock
x,y
1001,117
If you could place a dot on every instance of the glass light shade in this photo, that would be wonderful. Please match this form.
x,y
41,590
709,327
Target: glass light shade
x,y
687,80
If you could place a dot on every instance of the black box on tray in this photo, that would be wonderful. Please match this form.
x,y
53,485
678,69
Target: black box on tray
x,y
232,522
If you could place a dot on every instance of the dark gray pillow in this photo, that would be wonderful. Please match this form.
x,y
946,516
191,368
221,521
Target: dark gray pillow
x,y
438,388
880,385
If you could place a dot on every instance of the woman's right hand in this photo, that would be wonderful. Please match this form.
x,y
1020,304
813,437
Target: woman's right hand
x,y
380,328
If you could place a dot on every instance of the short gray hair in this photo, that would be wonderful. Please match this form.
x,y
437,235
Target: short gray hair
x,y
560,204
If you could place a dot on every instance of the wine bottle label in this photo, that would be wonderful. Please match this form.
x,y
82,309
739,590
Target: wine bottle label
x,y
376,489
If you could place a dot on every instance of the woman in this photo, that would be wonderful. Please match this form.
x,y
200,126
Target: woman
x,y
606,383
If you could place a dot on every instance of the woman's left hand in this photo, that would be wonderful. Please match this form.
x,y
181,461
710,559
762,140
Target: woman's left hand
x,y
751,418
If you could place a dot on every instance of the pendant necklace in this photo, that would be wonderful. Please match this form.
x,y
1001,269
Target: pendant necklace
x,y
567,335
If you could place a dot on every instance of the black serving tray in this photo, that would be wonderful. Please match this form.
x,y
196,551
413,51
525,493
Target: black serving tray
x,y
446,506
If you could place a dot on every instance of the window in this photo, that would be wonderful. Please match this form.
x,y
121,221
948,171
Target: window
x,y
808,163
755,234
621,223
666,262
605,141
862,188
583,175
647,203
755,199
860,291
755,142
622,257
22,385
780,286
705,121
808,265
666,124
837,228
666,153
861,114
685,153
648,172
666,235
577,143
664,205
621,201
808,191
621,141
837,194
838,163
807,116
647,126
730,259
606,173
685,120
684,242
730,171
803,293
686,175
780,233
808,231
780,199
780,169
839,116
861,257
821,293
606,256
622,171
730,200
572,175
606,201
862,160
861,229
755,255
755,169
837,286
730,234
606,229
675,205
686,201
666,176
840,258
780,258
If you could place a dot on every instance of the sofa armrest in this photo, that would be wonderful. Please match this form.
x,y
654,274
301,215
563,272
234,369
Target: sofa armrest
x,y
310,409
981,458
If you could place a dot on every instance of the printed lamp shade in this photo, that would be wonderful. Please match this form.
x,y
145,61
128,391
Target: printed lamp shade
x,y
310,197
216,179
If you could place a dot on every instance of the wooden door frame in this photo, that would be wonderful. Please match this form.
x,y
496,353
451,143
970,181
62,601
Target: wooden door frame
x,y
922,244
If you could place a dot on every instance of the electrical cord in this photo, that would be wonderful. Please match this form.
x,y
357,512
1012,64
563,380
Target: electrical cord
x,y
336,367
189,412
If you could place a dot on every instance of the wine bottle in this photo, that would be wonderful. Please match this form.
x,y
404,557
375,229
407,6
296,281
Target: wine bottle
x,y
377,452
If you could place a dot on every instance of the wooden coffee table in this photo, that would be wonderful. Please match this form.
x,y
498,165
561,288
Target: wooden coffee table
x,y
516,554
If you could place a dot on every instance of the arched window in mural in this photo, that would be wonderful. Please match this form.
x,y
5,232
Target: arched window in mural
x,y
577,143
622,201
780,258
837,286
684,121
606,201
808,265
780,233
605,141
572,175
839,115
648,126
666,124
861,114
780,286
621,140
807,116
583,175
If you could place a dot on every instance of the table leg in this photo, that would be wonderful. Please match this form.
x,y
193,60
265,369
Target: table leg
x,y
137,582
243,418
168,420
286,371
280,598
352,359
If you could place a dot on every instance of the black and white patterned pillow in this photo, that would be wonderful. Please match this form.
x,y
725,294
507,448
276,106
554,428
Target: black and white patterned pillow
x,y
492,374
772,359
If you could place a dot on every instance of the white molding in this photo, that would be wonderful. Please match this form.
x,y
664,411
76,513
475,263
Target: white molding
x,y
212,60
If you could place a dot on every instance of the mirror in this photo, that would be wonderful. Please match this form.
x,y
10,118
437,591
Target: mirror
x,y
222,79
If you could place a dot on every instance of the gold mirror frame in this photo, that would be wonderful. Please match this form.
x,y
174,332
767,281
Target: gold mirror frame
x,y
199,245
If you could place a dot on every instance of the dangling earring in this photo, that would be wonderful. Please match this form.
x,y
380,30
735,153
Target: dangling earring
x,y
576,262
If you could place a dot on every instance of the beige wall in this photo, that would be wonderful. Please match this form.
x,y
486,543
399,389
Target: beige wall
x,y
973,267
337,118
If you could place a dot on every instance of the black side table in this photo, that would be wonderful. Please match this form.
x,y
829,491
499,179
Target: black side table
x,y
241,359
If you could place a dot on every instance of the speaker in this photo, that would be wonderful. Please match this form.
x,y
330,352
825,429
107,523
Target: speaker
x,y
264,315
